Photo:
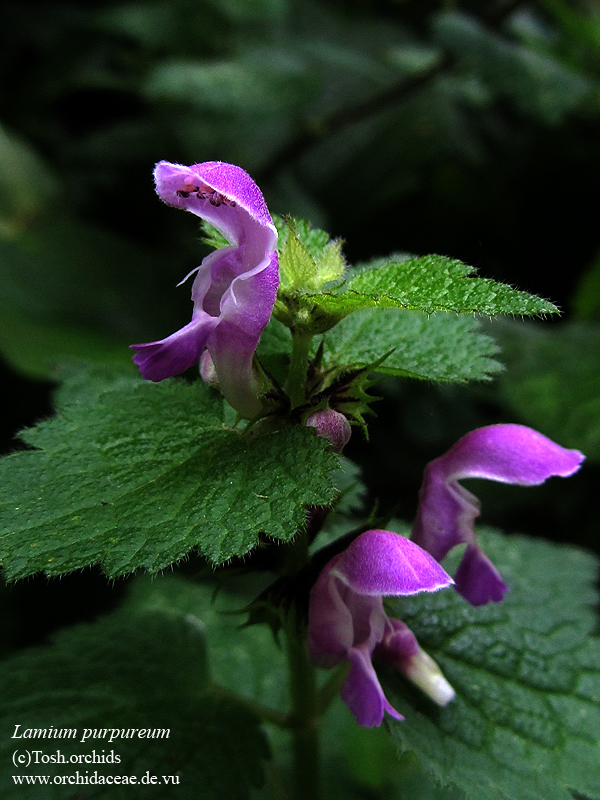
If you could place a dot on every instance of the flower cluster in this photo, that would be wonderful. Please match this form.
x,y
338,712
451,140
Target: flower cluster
x,y
346,616
234,292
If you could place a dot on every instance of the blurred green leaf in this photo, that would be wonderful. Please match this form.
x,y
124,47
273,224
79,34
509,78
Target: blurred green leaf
x,y
267,81
538,84
525,724
581,28
245,11
586,298
552,380
82,285
27,184
414,58
37,347
145,666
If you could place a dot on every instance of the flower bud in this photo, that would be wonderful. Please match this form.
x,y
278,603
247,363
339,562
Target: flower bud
x,y
333,426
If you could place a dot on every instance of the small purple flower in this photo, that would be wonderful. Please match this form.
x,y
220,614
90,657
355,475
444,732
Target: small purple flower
x,y
347,622
447,512
235,287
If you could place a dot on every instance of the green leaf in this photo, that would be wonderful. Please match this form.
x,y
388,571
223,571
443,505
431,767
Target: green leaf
x,y
54,310
553,380
301,271
308,258
297,267
143,667
440,347
135,475
429,283
586,297
22,333
525,723
244,659
22,196
538,84
268,80
248,661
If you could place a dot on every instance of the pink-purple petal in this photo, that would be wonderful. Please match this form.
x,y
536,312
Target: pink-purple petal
x,y
509,453
173,355
445,515
232,351
447,511
330,624
178,185
477,579
235,287
333,426
339,618
223,194
348,624
385,563
362,691
398,645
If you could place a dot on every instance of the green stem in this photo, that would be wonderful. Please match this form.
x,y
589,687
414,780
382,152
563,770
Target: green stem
x,y
304,714
304,697
331,689
279,718
295,385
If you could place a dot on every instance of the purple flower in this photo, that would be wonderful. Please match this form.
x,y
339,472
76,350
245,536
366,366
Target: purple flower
x,y
447,511
235,287
347,622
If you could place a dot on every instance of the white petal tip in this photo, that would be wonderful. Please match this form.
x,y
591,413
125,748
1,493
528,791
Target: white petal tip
x,y
425,673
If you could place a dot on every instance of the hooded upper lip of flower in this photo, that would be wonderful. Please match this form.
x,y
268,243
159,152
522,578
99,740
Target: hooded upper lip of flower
x,y
347,621
235,287
508,453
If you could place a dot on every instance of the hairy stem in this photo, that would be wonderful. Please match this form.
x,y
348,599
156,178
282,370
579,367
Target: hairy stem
x,y
295,385
264,713
304,714
331,690
303,691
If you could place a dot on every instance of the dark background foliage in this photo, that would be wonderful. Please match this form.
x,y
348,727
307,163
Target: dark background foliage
x,y
462,128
